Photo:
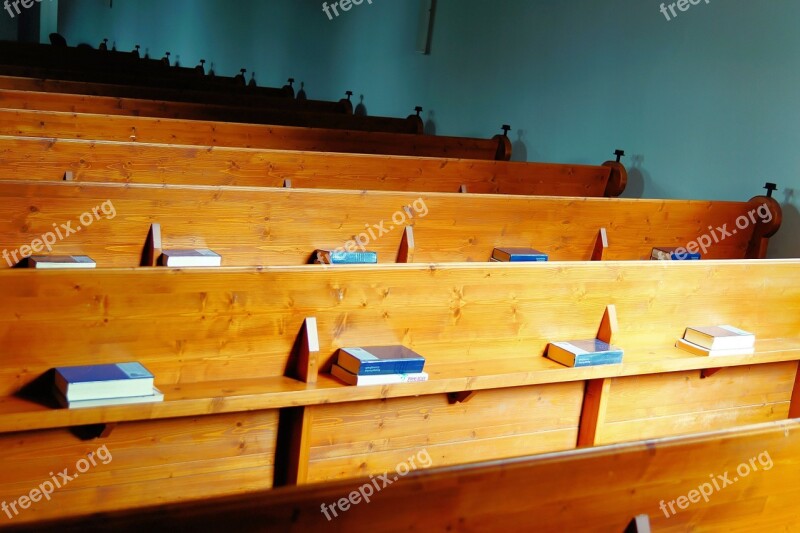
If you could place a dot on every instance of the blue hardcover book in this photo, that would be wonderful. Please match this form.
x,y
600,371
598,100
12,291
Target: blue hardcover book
x,y
672,254
591,352
95,382
341,257
380,360
518,255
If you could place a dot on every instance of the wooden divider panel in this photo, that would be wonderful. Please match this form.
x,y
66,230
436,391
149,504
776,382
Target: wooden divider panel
x,y
204,133
38,158
255,227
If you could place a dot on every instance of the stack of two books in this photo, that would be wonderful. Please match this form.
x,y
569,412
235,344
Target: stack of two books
x,y
104,385
379,365
717,341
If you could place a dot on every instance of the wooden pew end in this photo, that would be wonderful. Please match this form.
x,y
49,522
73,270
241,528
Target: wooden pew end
x,y
152,247
766,213
618,179
600,245
504,147
406,252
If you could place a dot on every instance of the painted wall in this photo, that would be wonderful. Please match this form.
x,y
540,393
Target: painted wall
x,y
8,26
705,104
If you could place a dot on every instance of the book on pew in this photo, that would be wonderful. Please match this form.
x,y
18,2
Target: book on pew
x,y
341,257
720,337
517,255
376,379
61,261
696,349
591,352
380,360
671,254
190,258
154,396
94,382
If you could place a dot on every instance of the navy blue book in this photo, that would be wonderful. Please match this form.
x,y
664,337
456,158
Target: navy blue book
x,y
380,360
591,352
95,382
518,255
341,257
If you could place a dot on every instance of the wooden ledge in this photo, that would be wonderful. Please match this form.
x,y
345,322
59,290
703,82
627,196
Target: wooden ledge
x,y
257,394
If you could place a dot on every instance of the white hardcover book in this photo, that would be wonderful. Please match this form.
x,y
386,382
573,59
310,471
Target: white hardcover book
x,y
377,379
696,349
190,258
156,396
720,337
60,261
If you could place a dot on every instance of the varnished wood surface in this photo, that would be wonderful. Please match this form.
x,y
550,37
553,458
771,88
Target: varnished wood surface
x,y
203,333
206,133
263,226
172,95
40,158
41,101
600,489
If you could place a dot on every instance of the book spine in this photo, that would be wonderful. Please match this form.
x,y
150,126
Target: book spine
x,y
390,367
598,359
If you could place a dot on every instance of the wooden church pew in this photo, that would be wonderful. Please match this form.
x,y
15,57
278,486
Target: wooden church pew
x,y
255,227
102,105
51,159
206,133
343,106
227,347
604,487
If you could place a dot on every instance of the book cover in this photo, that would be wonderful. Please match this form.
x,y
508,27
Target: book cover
x,y
720,337
154,396
60,261
670,254
380,360
191,258
518,255
591,352
376,379
103,381
341,257
695,349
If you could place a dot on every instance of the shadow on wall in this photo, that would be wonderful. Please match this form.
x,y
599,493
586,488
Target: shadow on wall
x,y
785,244
430,124
519,150
361,108
636,178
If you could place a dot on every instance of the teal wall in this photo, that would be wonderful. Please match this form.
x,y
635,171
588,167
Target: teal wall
x,y
706,105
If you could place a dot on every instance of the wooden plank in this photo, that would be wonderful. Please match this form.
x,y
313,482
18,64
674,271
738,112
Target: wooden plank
x,y
479,327
207,133
253,227
137,107
39,158
501,496
593,414
794,411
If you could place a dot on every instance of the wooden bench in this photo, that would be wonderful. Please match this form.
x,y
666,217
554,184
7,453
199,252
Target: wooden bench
x,y
263,226
605,487
205,133
195,111
227,347
344,106
79,160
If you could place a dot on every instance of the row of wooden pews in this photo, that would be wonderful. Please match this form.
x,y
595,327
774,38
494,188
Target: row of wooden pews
x,y
244,353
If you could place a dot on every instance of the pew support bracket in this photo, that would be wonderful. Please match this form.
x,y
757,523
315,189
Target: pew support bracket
x,y
405,253
454,398
600,245
152,247
304,360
